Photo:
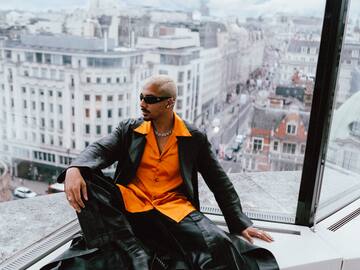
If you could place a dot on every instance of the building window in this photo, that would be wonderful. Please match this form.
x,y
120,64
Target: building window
x,y
117,80
180,89
180,76
120,97
276,145
88,79
291,129
87,129
73,127
66,60
289,148
98,113
179,104
60,124
73,111
38,57
109,113
87,97
120,112
60,109
47,58
257,144
97,98
165,72
189,74
98,80
86,144
108,80
109,98
87,113
98,129
302,149
109,129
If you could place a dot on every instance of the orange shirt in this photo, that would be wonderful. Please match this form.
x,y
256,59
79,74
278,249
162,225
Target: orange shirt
x,y
158,176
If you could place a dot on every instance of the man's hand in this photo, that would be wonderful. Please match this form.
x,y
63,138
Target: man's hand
x,y
251,232
75,188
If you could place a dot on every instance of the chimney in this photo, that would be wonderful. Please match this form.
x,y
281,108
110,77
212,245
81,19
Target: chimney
x,y
105,22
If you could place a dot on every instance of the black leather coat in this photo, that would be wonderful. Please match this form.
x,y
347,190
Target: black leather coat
x,y
126,146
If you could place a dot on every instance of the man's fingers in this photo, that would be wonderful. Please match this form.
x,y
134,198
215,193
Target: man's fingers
x,y
84,191
247,236
263,236
72,202
267,237
78,198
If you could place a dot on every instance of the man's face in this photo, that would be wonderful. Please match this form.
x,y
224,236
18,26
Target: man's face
x,y
155,110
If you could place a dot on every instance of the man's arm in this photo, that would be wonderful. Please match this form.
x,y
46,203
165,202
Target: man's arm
x,y
224,191
99,154
96,156
226,196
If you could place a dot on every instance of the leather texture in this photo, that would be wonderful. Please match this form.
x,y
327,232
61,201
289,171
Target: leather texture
x,y
115,239
126,147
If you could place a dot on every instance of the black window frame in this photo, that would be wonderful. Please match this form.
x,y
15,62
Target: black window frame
x,y
333,27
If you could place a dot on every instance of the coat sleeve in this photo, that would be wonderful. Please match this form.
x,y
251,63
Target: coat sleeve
x,y
99,154
224,191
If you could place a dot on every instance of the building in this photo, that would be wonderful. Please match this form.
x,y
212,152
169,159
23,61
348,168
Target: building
x,y
344,145
300,56
178,56
60,93
277,140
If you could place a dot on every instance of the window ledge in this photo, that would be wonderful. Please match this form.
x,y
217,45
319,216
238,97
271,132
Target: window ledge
x,y
295,247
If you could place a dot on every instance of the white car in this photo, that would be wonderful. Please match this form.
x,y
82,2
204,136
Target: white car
x,y
24,192
239,138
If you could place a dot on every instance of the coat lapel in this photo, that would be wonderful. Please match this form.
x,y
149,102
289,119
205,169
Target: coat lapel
x,y
136,148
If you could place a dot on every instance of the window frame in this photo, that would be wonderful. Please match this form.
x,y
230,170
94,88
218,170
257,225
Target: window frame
x,y
333,27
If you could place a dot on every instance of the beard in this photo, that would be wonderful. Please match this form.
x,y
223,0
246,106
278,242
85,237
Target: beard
x,y
146,115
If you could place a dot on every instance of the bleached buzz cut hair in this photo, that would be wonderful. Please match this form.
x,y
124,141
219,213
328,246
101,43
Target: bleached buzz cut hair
x,y
164,84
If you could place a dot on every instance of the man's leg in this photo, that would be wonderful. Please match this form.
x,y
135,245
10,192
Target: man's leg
x,y
204,244
103,220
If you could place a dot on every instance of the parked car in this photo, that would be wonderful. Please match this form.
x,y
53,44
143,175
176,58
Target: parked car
x,y
228,154
236,146
240,139
24,192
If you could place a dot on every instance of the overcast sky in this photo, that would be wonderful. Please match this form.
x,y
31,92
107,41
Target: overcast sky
x,y
241,8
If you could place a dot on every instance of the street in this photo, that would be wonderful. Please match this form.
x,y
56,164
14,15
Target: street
x,y
39,187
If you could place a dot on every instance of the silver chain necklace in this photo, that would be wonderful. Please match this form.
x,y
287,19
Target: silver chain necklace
x,y
162,134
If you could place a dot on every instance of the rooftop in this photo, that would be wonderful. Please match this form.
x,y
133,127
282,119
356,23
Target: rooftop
x,y
66,43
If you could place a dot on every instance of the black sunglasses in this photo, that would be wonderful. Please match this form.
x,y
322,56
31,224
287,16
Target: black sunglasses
x,y
152,99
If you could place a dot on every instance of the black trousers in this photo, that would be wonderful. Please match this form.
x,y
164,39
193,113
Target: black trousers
x,y
117,239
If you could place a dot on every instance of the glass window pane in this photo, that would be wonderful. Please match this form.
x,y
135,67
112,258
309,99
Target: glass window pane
x,y
340,184
258,122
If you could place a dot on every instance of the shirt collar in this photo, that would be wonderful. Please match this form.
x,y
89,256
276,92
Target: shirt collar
x,y
180,128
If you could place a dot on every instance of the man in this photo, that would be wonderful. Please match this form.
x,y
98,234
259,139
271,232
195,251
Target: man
x,y
156,195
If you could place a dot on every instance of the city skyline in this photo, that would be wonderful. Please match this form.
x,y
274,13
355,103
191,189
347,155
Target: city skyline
x,y
246,8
